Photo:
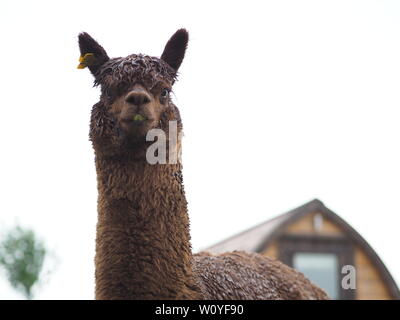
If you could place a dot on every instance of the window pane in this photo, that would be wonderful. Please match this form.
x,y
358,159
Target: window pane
x,y
321,269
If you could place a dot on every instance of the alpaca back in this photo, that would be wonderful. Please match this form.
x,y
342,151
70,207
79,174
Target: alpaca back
x,y
250,276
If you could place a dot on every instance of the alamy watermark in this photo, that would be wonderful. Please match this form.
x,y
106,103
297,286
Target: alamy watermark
x,y
169,143
349,279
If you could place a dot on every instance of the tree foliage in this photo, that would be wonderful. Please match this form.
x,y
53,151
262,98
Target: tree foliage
x,y
22,255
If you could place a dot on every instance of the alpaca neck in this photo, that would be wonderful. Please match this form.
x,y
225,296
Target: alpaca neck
x,y
143,243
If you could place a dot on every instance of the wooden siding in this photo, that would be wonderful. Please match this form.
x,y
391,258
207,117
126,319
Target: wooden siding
x,y
370,284
271,251
306,225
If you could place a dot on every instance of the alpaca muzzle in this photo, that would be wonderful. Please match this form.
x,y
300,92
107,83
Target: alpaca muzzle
x,y
138,97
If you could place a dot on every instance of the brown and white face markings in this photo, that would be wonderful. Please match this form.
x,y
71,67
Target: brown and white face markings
x,y
135,89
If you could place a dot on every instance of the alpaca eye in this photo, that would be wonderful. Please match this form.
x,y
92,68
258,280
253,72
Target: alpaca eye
x,y
165,93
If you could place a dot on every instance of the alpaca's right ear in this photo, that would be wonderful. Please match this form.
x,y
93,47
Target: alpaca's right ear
x,y
93,55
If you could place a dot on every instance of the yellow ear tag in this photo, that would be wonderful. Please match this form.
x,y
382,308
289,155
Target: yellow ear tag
x,y
87,60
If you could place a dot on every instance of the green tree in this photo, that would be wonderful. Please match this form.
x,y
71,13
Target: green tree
x,y
22,255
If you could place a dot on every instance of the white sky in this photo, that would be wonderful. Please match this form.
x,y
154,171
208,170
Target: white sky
x,y
282,102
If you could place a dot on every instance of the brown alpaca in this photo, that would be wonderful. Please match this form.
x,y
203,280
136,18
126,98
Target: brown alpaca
x,y
143,246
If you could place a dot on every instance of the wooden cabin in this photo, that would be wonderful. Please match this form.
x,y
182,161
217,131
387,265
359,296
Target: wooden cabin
x,y
320,244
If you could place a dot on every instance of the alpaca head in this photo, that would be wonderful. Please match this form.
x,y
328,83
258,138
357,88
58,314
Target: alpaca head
x,y
135,92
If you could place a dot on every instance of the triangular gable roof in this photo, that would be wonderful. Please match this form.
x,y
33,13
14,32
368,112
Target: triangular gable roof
x,y
257,238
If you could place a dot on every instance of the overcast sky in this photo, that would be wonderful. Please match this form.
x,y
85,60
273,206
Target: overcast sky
x,y
282,102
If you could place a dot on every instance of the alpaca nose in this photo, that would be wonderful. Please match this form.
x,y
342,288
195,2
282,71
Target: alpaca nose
x,y
137,98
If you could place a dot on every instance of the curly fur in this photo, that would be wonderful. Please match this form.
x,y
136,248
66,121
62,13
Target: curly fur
x,y
143,246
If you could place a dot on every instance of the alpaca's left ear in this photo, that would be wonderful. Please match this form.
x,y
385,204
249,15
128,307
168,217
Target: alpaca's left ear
x,y
174,50
93,55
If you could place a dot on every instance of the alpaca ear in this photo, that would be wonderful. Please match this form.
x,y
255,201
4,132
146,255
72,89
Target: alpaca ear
x,y
175,48
93,55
